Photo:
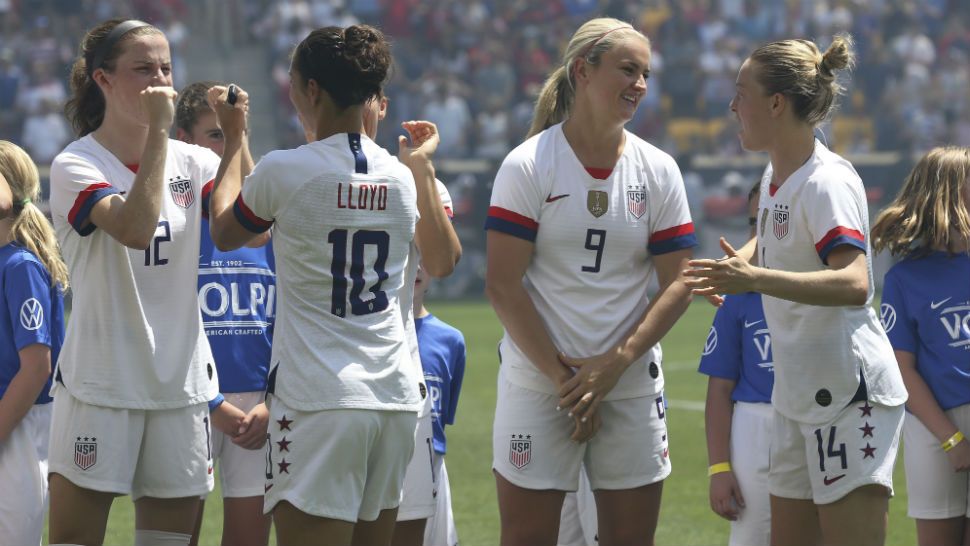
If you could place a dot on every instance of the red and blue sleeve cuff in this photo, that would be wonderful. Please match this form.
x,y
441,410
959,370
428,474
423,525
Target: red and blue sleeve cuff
x,y
248,219
512,223
85,201
839,236
672,239
206,194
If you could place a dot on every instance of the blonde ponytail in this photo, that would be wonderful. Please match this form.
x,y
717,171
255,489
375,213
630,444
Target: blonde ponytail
x,y
553,104
30,227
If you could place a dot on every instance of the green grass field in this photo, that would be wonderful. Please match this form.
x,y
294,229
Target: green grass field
x,y
685,520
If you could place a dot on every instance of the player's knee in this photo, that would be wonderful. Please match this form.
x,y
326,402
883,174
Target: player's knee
x,y
149,537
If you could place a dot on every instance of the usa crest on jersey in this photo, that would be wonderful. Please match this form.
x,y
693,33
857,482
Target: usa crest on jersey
x,y
780,221
520,450
85,452
636,201
182,192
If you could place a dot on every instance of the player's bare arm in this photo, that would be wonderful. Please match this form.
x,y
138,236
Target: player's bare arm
x,y
435,235
133,219
597,375
725,493
227,233
925,407
844,283
508,259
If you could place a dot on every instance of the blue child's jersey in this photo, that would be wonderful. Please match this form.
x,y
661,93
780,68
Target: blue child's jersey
x,y
926,311
33,312
738,347
237,295
442,349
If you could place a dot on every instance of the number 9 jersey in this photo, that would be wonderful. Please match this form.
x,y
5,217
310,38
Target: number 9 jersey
x,y
594,239
344,213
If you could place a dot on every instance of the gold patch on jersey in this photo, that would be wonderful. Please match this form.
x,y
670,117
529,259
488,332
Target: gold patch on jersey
x,y
764,221
597,202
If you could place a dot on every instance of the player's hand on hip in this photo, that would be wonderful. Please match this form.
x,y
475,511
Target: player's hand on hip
x,y
595,377
585,429
158,103
731,274
231,116
424,141
252,430
227,418
959,456
726,499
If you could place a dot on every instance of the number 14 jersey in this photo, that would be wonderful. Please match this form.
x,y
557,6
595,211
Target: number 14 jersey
x,y
344,212
593,245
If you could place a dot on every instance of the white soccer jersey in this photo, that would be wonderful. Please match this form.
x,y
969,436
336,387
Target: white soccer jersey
x,y
819,352
135,338
345,213
593,245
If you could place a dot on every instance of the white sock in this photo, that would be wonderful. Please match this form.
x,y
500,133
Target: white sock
x,y
148,537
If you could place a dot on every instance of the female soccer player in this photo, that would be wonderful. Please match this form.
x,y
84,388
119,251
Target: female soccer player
x,y
581,215
738,415
131,387
237,296
345,391
33,279
925,310
838,395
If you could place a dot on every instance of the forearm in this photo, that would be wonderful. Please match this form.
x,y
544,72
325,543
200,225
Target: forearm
x,y
521,320
138,216
19,397
660,316
827,287
436,237
247,164
226,187
718,411
749,252
924,406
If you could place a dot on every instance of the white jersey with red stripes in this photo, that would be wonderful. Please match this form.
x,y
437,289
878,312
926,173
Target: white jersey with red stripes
x,y
594,241
344,213
135,338
821,353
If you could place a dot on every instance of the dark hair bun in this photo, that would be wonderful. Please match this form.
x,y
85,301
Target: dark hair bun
x,y
351,63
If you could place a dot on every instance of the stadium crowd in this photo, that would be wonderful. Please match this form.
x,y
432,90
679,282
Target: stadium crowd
x,y
475,67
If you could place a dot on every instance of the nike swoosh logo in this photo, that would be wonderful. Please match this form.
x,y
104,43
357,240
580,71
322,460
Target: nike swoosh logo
x,y
750,324
829,481
934,305
551,199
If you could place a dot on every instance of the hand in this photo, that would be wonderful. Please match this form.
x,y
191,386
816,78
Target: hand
x,y
585,428
728,275
227,419
594,379
158,103
232,117
252,430
726,499
424,139
959,456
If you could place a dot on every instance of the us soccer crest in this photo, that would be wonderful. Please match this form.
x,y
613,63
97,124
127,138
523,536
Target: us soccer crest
x,y
780,221
85,452
597,202
182,191
520,450
636,201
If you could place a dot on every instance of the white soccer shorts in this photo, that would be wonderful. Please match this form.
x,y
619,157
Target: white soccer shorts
x,y
418,496
935,490
23,475
751,426
241,470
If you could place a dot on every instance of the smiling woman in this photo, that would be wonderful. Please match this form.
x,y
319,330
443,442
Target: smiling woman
x,y
582,215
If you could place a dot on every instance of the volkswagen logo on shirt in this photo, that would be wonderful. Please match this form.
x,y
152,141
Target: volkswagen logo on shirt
x,y
887,316
31,314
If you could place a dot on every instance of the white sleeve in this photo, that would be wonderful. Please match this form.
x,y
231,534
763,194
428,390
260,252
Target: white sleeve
x,y
445,198
671,227
835,216
258,202
76,186
516,198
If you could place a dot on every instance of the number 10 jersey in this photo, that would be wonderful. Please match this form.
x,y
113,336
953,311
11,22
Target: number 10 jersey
x,y
593,245
344,213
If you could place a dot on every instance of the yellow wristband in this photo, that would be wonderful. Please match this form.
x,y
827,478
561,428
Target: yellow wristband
x,y
718,468
952,441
